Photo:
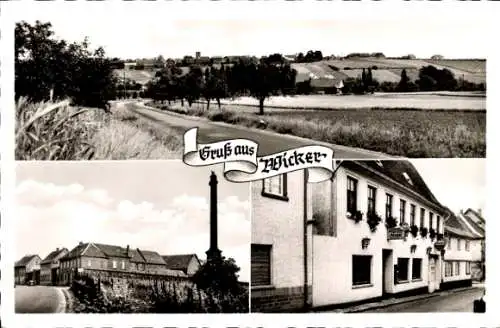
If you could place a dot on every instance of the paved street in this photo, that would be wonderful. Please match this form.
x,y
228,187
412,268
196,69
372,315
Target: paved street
x,y
450,301
269,142
39,299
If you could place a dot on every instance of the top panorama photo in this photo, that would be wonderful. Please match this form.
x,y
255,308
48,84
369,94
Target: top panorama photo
x,y
84,93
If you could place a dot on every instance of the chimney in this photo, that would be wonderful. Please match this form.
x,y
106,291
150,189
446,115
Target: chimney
x,y
128,248
480,212
213,252
57,249
80,243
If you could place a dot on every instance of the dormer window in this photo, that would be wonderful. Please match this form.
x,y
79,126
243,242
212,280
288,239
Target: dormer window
x,y
407,178
379,163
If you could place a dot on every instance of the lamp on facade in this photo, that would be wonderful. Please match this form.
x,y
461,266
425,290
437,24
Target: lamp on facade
x,y
413,248
365,242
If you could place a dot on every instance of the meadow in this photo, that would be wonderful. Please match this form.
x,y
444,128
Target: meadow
x,y
59,131
397,131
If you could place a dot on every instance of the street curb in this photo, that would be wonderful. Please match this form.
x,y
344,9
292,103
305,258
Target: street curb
x,y
375,154
68,300
391,304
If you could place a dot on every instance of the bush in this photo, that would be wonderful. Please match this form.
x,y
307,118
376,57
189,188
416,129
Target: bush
x,y
391,222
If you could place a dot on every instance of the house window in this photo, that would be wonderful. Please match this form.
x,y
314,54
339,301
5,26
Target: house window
x,y
412,214
89,263
372,194
467,245
260,265
402,211
416,269
388,206
361,269
352,195
114,264
449,243
422,217
467,268
459,247
402,272
275,187
448,269
123,265
438,224
431,219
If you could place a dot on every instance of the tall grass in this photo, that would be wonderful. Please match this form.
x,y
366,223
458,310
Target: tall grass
x,y
58,131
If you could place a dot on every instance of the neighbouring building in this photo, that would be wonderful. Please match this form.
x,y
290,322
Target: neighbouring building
x,y
281,252
373,230
50,266
187,263
111,258
463,250
27,269
477,225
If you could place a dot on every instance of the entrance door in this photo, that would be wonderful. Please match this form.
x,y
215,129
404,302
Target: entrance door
x,y
53,276
432,274
386,271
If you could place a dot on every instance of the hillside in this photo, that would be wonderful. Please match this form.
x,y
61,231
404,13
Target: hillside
x,y
389,70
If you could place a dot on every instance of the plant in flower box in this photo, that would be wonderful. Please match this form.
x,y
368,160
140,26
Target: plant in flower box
x,y
423,232
356,216
391,222
406,228
373,219
440,236
414,230
432,233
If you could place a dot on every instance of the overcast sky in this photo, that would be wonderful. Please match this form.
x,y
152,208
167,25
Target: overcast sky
x,y
174,29
456,183
153,205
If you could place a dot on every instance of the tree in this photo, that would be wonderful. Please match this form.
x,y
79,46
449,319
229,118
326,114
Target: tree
x,y
193,83
220,278
45,66
403,83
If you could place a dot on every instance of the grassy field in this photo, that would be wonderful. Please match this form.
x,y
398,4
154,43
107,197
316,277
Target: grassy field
x,y
430,101
401,132
47,131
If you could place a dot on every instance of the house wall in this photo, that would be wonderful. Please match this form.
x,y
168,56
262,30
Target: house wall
x,y
476,250
332,262
33,265
45,274
193,266
280,224
462,256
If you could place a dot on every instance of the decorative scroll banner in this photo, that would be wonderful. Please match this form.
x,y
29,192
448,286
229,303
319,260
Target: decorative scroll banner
x,y
241,163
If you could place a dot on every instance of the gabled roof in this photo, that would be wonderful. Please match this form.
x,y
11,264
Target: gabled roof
x,y
152,257
25,260
475,219
472,226
454,226
54,254
400,171
179,262
96,250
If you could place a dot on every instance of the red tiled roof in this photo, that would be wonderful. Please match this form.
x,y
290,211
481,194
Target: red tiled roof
x,y
53,255
25,260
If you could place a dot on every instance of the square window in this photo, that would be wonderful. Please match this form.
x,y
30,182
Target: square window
x,y
361,269
402,269
275,187
416,269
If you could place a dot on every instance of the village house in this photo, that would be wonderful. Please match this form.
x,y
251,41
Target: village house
x,y
464,248
187,263
476,224
374,230
27,270
50,266
106,258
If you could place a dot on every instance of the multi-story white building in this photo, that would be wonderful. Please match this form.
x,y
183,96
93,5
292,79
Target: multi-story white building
x,y
464,253
374,230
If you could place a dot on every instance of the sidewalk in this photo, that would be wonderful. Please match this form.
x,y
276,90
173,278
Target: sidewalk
x,y
399,300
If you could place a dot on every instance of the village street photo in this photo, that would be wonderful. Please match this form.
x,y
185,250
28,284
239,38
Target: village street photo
x,y
380,236
130,92
130,237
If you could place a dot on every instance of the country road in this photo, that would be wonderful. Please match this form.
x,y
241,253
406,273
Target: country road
x,y
269,142
39,299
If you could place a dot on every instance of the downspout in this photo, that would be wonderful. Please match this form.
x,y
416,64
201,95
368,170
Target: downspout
x,y
306,286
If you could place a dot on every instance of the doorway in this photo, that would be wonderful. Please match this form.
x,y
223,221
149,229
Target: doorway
x,y
387,272
433,277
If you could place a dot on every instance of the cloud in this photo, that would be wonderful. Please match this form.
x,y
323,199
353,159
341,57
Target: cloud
x,y
53,216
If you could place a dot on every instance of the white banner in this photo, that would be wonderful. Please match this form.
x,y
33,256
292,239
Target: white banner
x,y
241,163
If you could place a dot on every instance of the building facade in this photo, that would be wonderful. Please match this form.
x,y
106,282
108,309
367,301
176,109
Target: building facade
x,y
50,266
107,258
476,224
187,263
27,270
373,230
281,272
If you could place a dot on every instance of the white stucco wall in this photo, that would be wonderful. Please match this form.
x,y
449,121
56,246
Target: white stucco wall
x,y
476,250
462,256
281,224
332,261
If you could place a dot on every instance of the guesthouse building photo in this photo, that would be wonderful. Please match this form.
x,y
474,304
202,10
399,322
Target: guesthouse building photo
x,y
372,232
